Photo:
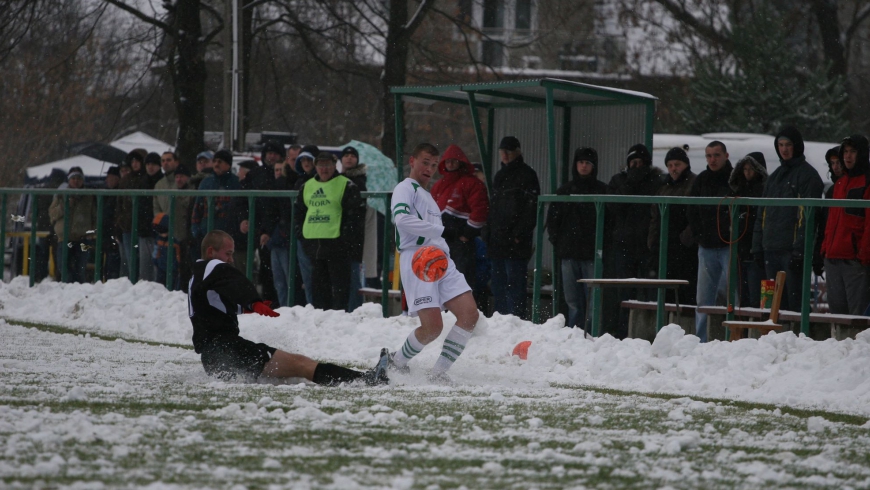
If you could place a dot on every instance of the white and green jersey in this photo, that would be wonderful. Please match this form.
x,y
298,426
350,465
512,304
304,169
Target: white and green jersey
x,y
417,217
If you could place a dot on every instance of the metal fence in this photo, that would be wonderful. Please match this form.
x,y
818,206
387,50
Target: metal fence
x,y
136,196
600,201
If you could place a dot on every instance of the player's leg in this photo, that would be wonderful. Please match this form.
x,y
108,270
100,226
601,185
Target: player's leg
x,y
467,317
287,365
429,330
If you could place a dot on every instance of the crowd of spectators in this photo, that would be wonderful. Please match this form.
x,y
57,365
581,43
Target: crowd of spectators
x,y
490,231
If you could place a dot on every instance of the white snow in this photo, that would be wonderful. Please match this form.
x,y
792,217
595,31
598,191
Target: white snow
x,y
779,368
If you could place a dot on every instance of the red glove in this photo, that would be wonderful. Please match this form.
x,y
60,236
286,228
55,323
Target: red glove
x,y
262,308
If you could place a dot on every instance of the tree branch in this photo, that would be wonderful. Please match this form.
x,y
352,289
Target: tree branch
x,y
143,17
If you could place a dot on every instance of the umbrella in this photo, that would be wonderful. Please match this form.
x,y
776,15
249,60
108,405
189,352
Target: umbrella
x,y
100,151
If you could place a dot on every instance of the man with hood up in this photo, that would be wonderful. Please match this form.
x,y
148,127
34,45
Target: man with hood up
x,y
464,206
835,171
778,240
571,228
631,255
846,248
747,180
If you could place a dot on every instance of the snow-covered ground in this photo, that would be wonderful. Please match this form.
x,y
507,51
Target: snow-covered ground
x,y
777,369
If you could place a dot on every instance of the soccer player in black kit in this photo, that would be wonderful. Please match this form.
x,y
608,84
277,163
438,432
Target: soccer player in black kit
x,y
217,294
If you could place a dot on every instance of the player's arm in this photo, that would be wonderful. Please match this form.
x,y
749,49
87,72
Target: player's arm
x,y
406,219
230,283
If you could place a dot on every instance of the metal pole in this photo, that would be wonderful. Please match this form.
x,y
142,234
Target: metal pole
x,y
170,246
249,266
291,266
665,214
134,242
598,268
733,266
209,221
387,253
34,211
539,258
98,247
64,253
3,215
809,235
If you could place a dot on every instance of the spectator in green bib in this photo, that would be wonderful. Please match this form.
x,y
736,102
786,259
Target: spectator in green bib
x,y
333,212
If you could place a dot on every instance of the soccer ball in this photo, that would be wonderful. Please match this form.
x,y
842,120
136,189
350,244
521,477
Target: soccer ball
x,y
429,263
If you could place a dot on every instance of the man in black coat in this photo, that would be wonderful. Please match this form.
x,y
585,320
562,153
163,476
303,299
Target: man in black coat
x,y
631,256
571,228
511,224
711,226
217,293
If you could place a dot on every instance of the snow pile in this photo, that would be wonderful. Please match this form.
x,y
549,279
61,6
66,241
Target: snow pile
x,y
779,368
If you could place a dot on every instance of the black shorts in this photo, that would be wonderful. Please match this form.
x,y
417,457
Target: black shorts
x,y
235,357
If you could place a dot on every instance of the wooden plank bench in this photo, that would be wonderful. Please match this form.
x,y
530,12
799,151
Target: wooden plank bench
x,y
841,326
633,282
373,295
642,318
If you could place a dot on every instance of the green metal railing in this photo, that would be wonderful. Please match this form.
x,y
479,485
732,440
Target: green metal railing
x,y
137,195
600,201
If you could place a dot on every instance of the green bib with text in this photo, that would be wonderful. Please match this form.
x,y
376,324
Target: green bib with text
x,y
323,219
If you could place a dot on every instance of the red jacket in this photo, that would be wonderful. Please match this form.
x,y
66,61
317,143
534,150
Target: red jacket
x,y
460,194
845,236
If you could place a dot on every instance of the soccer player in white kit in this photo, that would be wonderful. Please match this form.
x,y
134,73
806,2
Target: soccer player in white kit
x,y
418,224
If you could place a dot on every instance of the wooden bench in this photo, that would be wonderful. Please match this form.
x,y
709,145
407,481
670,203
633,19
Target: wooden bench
x,y
642,318
841,326
633,282
373,295
736,327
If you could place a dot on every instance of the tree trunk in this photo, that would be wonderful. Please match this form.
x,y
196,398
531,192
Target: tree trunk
x,y
395,73
187,68
829,28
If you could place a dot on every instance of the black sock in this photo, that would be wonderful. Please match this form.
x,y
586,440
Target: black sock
x,y
330,375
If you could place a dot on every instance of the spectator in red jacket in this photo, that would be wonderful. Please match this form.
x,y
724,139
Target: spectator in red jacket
x,y
847,245
464,207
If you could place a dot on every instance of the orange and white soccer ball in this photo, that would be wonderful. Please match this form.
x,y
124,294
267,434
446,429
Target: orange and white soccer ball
x,y
429,263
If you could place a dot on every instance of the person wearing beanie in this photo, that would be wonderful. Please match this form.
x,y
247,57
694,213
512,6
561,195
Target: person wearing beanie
x,y
682,247
571,227
630,254
362,249
304,166
331,210
83,219
778,239
846,249
511,222
204,164
225,214
710,228
747,180
132,171
110,233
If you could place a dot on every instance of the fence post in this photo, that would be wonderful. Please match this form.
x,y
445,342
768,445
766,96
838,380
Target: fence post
x,y
134,242
664,214
34,211
385,269
291,265
64,253
539,259
170,246
98,245
809,236
3,215
598,267
733,265
252,226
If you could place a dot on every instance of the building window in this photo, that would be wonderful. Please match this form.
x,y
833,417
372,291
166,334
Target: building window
x,y
493,53
493,14
523,14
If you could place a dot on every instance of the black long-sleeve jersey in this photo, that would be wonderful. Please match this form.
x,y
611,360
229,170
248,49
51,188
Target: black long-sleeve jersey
x,y
217,293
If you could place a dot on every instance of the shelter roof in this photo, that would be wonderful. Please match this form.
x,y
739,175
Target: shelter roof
x,y
522,92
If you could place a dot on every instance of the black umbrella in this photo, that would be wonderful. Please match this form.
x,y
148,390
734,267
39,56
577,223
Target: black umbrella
x,y
101,152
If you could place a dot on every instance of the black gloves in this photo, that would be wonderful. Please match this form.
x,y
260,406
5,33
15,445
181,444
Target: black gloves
x,y
818,266
449,234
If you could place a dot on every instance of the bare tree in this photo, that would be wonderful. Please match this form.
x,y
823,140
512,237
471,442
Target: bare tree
x,y
182,33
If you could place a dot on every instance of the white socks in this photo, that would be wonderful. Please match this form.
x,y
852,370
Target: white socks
x,y
409,349
453,346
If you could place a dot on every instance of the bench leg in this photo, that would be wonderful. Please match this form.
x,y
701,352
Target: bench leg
x,y
736,333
